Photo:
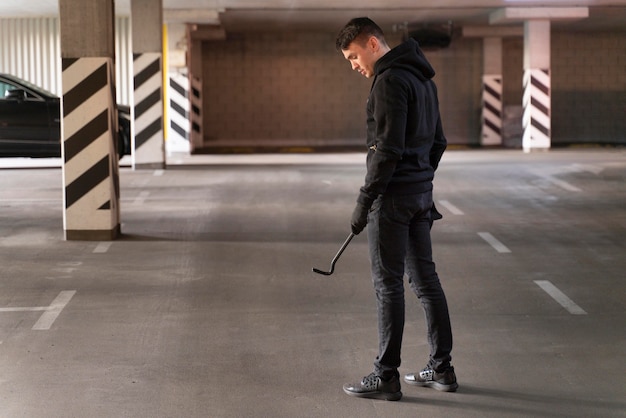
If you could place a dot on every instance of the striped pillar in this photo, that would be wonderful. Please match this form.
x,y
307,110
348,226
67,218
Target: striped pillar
x,y
90,167
148,144
197,138
536,104
178,127
492,110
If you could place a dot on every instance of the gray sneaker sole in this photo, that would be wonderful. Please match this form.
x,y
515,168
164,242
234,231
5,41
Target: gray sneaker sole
x,y
435,385
387,396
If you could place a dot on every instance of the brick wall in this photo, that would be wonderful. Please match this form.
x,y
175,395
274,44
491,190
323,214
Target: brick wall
x,y
589,88
296,88
281,87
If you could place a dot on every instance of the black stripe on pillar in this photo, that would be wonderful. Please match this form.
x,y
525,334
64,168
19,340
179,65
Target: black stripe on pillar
x,y
178,88
147,73
178,108
86,135
492,109
492,92
147,133
178,129
67,63
539,106
84,90
544,130
543,88
152,99
87,181
492,126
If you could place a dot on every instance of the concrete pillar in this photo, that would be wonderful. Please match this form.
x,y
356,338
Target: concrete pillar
x,y
148,140
90,161
536,99
536,122
194,59
492,92
177,125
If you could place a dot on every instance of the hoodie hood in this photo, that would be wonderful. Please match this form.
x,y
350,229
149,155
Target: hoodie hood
x,y
407,56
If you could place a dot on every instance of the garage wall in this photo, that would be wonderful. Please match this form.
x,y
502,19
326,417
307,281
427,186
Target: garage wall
x,y
589,87
30,48
294,87
275,87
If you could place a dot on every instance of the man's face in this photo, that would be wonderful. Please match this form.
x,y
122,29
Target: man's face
x,y
362,56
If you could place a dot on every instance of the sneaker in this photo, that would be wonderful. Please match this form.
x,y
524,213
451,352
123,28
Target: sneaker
x,y
373,386
445,381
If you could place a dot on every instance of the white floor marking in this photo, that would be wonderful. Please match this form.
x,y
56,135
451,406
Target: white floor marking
x,y
25,309
453,209
560,297
158,173
559,183
54,310
562,184
102,247
491,240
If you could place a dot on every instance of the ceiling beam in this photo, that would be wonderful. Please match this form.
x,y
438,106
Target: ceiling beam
x,y
520,14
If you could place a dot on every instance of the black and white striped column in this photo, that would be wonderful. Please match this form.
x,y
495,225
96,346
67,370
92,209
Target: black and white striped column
x,y
197,136
90,167
179,125
148,143
492,110
536,104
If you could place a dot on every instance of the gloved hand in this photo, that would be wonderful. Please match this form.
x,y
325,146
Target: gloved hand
x,y
359,218
434,213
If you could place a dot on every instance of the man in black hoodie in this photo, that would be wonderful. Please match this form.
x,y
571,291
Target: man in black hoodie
x,y
405,143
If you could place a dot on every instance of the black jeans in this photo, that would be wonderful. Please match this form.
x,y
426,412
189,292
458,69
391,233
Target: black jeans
x,y
399,240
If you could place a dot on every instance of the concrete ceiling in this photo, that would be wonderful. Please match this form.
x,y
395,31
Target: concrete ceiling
x,y
252,15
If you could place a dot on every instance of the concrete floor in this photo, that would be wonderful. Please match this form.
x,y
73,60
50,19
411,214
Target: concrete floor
x,y
207,306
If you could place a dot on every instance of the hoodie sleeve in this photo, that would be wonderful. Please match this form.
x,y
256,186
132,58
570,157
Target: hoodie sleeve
x,y
388,101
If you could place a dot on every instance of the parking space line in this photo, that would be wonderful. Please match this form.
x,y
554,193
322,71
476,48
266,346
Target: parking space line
x,y
453,209
25,309
102,247
491,240
46,319
560,297
562,184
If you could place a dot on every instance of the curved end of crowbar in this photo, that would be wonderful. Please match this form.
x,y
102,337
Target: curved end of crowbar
x,y
332,263
325,273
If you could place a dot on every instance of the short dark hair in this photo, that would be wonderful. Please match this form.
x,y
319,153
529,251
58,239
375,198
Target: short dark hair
x,y
357,28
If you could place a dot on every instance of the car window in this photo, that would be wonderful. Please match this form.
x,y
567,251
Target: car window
x,y
4,89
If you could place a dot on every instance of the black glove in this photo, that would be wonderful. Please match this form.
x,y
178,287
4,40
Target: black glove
x,y
359,218
434,213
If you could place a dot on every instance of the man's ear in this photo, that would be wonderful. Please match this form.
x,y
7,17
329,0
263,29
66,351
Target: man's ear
x,y
373,43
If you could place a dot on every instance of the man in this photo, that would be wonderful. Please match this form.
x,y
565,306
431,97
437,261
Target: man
x,y
405,142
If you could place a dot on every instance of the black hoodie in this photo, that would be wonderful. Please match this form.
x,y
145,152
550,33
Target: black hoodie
x,y
404,133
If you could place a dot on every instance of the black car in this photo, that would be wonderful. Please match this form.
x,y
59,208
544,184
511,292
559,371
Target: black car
x,y
30,124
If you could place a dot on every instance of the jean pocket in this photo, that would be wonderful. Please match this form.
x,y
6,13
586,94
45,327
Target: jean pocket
x,y
406,207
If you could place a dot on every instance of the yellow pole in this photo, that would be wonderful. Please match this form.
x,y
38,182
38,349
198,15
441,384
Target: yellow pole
x,y
164,71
